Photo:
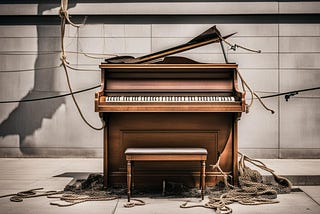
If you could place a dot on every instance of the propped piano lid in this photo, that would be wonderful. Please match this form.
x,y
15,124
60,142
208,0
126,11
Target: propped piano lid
x,y
212,35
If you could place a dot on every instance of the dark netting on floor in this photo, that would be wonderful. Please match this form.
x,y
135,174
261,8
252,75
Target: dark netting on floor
x,y
252,190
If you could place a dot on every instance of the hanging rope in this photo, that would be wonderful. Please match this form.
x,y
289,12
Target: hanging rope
x,y
243,82
235,46
65,19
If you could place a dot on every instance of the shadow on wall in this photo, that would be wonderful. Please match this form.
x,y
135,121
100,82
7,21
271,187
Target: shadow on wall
x,y
28,117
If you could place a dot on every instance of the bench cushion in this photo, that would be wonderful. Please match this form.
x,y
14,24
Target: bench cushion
x,y
166,151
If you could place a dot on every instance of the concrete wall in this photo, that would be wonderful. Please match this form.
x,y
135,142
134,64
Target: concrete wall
x,y
53,128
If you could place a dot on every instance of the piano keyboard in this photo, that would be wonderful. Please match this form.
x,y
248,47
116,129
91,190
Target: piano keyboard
x,y
169,99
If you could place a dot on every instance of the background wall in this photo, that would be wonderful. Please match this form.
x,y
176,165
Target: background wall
x,y
288,33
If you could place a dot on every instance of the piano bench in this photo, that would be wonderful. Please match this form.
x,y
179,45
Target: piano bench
x,y
165,154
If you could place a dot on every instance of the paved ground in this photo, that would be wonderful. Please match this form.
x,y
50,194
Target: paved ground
x,y
22,174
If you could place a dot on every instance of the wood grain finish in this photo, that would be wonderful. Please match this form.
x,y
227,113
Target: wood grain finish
x,y
212,126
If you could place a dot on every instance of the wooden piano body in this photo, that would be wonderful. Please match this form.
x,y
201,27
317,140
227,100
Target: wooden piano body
x,y
169,105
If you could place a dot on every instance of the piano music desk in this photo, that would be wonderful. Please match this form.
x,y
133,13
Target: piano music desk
x,y
165,154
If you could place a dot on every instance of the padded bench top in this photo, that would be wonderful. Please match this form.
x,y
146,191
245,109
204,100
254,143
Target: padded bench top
x,y
166,151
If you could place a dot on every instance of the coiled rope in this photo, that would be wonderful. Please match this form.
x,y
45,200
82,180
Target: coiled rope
x,y
251,190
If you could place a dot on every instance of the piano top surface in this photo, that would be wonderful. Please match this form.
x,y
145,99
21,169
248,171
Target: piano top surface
x,y
176,67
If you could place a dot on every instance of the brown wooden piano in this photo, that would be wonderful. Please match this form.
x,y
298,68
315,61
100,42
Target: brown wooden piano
x,y
175,102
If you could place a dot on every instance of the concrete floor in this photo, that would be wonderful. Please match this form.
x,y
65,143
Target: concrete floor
x,y
23,174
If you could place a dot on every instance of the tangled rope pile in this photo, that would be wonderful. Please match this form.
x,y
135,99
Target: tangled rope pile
x,y
89,190
251,190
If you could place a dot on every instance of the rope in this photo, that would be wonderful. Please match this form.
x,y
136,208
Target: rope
x,y
65,18
133,203
32,193
48,98
235,46
71,199
252,93
251,190
67,198
243,82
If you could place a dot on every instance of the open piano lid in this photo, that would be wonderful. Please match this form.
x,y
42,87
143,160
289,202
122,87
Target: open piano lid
x,y
212,35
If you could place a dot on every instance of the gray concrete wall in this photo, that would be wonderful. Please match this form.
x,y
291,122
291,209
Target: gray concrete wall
x,y
53,128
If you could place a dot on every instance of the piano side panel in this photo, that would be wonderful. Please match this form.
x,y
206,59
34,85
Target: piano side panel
x,y
212,131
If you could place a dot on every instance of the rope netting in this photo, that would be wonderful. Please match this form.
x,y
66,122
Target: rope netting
x,y
251,190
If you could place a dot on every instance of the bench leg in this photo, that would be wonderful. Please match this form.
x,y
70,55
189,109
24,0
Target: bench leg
x,y
203,178
129,179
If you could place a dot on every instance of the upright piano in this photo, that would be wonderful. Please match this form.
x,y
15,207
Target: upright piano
x,y
172,102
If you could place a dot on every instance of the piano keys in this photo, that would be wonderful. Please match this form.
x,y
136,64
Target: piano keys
x,y
169,99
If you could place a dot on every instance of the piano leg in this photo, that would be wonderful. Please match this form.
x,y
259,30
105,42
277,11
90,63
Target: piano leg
x,y
105,153
129,170
203,178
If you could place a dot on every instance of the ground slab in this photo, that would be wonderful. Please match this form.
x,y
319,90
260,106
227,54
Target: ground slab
x,y
23,174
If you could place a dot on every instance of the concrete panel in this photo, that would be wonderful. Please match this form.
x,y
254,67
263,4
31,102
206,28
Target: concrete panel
x,y
18,44
81,60
299,44
18,31
84,79
131,30
268,61
173,8
90,30
295,153
19,9
299,30
260,153
292,79
259,128
299,60
137,30
16,62
15,86
127,45
91,45
31,31
299,7
51,30
261,80
299,123
192,30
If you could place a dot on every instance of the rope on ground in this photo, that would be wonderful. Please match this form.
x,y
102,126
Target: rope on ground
x,y
133,203
251,190
32,193
70,199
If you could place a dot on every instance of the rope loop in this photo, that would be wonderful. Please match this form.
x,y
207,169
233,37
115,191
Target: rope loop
x,y
133,203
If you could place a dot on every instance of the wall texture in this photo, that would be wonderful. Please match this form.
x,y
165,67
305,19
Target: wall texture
x,y
30,68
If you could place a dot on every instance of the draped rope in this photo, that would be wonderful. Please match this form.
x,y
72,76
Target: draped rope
x,y
65,19
243,82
